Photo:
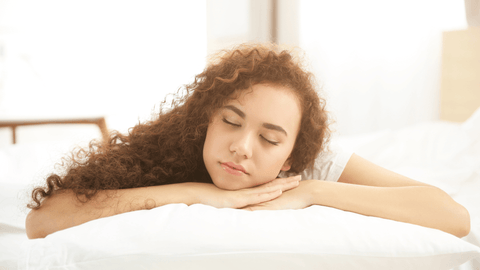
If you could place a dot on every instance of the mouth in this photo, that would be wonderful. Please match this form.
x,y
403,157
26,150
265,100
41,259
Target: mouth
x,y
234,169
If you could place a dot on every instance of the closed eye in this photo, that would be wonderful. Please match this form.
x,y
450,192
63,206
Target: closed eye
x,y
271,142
237,125
230,123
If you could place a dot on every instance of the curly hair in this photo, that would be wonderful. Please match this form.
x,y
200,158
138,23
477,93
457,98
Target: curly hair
x,y
168,149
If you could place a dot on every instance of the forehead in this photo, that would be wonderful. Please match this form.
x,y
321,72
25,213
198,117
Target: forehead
x,y
273,104
266,93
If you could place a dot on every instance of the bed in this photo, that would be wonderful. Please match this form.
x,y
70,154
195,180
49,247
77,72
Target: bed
x,y
443,153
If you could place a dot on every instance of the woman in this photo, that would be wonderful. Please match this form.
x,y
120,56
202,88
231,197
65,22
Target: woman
x,y
252,115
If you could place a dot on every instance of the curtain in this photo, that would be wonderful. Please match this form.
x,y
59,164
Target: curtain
x,y
472,9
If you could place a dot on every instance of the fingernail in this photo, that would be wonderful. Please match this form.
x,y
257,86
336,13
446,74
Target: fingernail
x,y
299,177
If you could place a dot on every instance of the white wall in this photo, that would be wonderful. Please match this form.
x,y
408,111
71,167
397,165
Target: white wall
x,y
379,61
237,21
115,58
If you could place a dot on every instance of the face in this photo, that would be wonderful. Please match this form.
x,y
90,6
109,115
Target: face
x,y
249,140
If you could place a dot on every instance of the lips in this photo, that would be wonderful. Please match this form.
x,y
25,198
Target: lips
x,y
234,169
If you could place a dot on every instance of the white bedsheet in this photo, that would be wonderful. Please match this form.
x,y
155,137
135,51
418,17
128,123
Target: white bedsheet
x,y
443,154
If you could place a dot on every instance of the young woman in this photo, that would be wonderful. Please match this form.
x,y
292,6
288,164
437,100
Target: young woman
x,y
240,137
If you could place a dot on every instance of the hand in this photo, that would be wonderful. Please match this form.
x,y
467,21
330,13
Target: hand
x,y
212,195
297,198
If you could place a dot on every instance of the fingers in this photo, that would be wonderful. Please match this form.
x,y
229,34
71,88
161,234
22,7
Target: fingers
x,y
284,183
272,189
265,192
257,198
293,182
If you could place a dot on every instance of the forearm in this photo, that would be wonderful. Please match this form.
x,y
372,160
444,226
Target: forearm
x,y
422,205
63,210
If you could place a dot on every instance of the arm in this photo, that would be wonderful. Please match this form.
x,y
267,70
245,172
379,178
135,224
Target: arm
x,y
371,190
62,210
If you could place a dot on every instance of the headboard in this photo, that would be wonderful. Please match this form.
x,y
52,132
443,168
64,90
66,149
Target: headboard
x,y
460,85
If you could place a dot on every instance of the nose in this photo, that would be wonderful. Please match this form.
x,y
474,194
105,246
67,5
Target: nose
x,y
243,145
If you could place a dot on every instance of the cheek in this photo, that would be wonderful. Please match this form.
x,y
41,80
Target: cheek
x,y
213,142
207,146
270,165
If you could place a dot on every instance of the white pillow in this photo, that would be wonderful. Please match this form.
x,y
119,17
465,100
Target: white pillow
x,y
178,236
12,223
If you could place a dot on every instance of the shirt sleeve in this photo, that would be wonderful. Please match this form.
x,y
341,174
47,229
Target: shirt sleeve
x,y
328,165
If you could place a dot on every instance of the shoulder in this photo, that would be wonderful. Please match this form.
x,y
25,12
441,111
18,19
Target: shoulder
x,y
329,164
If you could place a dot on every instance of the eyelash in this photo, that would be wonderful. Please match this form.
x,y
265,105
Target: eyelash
x,y
230,123
235,125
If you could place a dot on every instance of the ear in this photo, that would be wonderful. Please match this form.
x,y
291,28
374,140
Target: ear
x,y
287,165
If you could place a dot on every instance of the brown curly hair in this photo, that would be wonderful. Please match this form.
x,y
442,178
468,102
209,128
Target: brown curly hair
x,y
168,149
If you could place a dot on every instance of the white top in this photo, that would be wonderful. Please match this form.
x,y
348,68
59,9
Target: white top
x,y
328,166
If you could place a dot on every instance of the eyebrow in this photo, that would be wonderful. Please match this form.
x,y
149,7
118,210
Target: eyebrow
x,y
265,125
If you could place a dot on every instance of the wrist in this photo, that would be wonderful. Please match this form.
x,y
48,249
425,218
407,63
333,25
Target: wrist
x,y
317,192
193,192
205,193
186,193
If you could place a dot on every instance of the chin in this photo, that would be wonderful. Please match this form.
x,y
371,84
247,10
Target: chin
x,y
228,184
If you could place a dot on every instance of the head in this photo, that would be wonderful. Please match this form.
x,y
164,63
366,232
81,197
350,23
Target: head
x,y
250,139
254,106
261,115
